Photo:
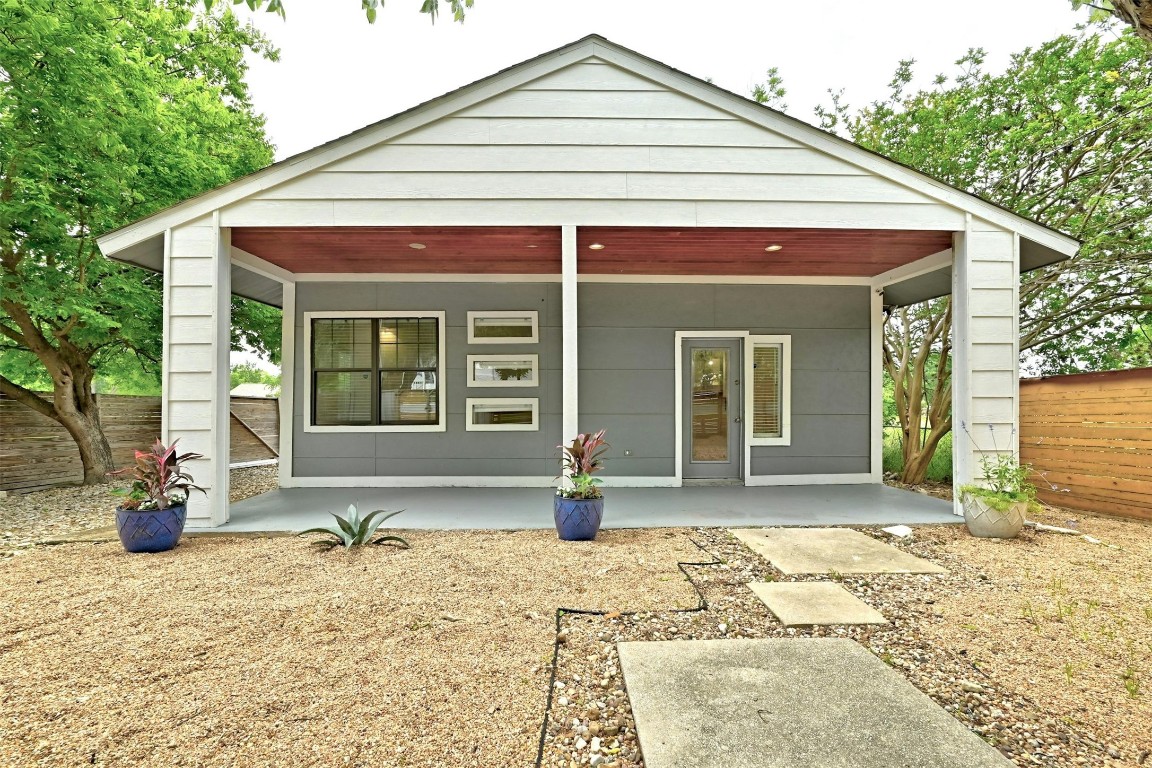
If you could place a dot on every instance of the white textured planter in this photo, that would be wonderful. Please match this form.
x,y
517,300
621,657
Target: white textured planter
x,y
986,522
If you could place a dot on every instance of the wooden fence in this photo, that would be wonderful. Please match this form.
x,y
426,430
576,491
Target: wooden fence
x,y
1090,436
36,452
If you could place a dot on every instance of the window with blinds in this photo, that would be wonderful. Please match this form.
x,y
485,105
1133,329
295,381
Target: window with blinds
x,y
769,396
767,419
376,372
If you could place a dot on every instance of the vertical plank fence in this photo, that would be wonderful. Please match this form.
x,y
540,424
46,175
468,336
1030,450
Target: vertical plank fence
x,y
1090,435
36,452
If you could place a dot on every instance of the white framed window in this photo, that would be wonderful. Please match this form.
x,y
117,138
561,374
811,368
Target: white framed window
x,y
375,371
502,414
503,370
768,393
504,326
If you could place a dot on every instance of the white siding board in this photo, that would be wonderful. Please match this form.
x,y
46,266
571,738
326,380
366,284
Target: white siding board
x,y
987,302
591,76
454,186
994,329
278,213
195,385
448,130
392,158
790,188
991,274
994,383
660,105
819,214
189,414
191,330
790,160
993,410
192,272
398,213
991,357
193,300
189,358
594,131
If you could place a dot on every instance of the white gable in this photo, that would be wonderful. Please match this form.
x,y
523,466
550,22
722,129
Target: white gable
x,y
605,146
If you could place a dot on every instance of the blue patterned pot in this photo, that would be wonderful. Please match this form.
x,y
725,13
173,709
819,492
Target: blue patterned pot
x,y
577,519
150,530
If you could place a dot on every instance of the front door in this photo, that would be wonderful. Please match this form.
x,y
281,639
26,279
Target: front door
x,y
713,438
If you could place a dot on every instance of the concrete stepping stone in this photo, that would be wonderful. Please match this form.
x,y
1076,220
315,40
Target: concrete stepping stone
x,y
787,703
829,550
812,603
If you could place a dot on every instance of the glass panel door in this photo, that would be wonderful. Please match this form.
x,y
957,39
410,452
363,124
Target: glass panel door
x,y
713,441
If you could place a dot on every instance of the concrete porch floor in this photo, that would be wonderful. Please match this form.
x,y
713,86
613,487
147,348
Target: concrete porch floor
x,y
295,509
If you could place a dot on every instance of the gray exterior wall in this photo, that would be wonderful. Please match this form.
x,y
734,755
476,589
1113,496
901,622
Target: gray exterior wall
x,y
455,452
627,377
628,358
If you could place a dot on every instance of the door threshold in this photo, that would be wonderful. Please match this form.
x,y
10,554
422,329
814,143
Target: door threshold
x,y
712,481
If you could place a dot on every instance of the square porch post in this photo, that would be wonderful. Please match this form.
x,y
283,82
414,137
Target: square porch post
x,y
986,344
571,369
197,341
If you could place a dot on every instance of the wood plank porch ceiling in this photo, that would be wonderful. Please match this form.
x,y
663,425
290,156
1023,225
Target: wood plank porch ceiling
x,y
626,251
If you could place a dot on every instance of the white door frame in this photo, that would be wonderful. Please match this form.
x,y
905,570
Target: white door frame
x,y
718,333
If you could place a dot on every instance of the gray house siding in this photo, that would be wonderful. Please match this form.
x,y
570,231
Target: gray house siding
x,y
456,451
628,356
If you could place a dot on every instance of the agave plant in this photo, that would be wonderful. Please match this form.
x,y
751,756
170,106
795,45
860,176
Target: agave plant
x,y
581,459
158,478
356,531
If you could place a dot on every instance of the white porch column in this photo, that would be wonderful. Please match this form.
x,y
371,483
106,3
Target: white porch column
x,y
197,340
287,382
986,344
571,370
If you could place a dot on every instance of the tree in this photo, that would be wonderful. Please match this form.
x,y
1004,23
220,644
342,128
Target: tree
x,y
1064,137
248,373
1135,13
109,111
370,7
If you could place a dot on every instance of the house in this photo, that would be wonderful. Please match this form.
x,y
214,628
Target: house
x,y
587,239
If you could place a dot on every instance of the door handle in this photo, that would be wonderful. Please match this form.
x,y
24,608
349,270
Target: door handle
x,y
737,419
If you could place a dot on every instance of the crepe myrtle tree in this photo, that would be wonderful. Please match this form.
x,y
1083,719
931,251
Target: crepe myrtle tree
x,y
1063,136
108,111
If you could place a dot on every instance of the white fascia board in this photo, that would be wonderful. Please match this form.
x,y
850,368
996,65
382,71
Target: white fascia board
x,y
829,144
338,149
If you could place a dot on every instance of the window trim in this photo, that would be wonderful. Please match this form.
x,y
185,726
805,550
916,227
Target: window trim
x,y
785,343
376,314
534,426
533,359
490,314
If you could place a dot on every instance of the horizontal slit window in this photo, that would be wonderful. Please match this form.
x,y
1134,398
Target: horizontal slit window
x,y
503,327
498,414
503,370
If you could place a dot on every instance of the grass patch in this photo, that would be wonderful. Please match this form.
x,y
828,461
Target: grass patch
x,y
939,469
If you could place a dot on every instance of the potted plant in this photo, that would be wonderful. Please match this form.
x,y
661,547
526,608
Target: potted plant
x,y
996,509
579,503
155,507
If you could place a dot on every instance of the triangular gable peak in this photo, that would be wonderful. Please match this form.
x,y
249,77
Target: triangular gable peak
x,y
590,134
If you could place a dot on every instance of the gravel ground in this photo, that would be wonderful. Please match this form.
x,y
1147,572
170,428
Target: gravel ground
x,y
590,721
258,652
28,518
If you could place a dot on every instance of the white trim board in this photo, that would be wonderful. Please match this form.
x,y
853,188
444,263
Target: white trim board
x,y
785,343
857,478
442,396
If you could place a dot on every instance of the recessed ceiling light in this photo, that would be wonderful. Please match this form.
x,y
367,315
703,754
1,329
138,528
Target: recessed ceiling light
x,y
773,248
417,246
531,246
597,246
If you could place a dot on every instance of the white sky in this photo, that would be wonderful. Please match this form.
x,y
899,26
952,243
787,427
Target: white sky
x,y
337,73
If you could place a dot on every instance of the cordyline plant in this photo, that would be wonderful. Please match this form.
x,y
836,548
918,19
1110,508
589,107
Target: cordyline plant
x,y
352,531
158,479
581,459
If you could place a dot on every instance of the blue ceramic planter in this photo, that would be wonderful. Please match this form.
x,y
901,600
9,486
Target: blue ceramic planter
x,y
578,519
150,530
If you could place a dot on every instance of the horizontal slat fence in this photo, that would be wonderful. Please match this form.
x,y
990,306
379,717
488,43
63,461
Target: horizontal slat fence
x,y
1090,436
36,452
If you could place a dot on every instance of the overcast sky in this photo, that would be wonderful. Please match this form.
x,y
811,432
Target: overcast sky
x,y
337,73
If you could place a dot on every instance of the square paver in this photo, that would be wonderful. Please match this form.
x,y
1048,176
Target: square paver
x,y
811,603
830,550
787,703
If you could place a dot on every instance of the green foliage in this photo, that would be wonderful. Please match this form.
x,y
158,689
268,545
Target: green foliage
x,y
158,478
109,111
939,467
247,373
771,92
1063,136
581,460
1005,480
352,531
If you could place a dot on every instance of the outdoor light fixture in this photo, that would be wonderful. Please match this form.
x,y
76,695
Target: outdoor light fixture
x,y
597,246
417,246
773,248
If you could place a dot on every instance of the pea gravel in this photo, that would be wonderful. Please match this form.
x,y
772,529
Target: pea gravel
x,y
259,652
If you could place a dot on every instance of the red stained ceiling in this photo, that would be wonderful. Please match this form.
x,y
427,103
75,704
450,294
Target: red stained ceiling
x,y
627,250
